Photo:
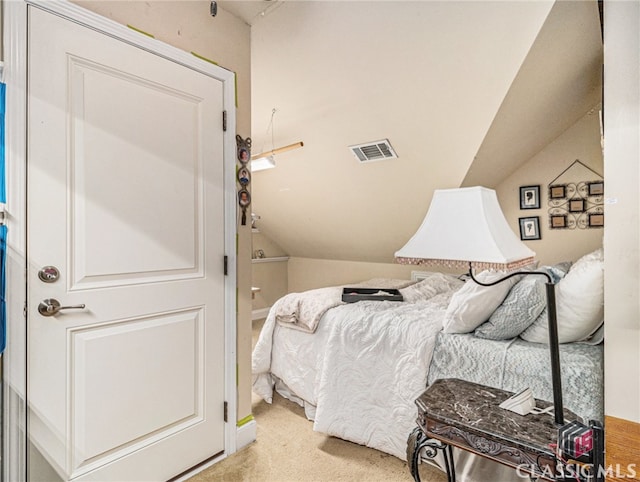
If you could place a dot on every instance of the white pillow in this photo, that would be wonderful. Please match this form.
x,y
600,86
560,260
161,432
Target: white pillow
x,y
579,303
473,304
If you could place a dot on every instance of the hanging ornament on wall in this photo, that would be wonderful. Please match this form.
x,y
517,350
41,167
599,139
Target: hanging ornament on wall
x,y
243,175
576,204
266,159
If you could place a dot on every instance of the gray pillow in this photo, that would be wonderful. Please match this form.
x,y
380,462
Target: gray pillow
x,y
522,306
518,311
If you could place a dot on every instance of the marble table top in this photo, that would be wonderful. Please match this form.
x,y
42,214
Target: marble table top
x,y
474,408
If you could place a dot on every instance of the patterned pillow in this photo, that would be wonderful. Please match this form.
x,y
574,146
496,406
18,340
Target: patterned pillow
x,y
522,306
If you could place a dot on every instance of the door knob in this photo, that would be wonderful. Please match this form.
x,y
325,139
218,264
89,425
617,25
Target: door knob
x,y
51,306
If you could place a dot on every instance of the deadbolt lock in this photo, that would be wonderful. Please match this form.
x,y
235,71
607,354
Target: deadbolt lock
x,y
49,274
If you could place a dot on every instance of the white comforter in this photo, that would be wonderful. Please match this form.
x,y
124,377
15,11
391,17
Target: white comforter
x,y
363,367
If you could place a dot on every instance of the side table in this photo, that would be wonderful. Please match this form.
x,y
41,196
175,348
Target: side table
x,y
466,415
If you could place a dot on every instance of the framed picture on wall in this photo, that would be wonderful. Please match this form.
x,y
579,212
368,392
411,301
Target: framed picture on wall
x,y
558,221
529,228
557,191
576,205
596,220
596,188
243,176
530,197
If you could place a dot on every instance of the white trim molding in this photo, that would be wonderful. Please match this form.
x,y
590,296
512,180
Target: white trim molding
x,y
247,434
260,313
277,259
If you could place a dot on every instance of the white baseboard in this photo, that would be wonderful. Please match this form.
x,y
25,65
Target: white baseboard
x,y
260,314
199,468
246,434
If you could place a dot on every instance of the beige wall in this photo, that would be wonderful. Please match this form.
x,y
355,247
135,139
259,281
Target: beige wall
x,y
267,245
308,273
622,211
267,274
272,279
581,141
429,76
225,39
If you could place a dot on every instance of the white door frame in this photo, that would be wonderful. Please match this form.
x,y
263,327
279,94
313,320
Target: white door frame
x,y
15,76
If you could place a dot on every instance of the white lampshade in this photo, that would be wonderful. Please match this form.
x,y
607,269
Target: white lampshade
x,y
266,160
262,163
465,226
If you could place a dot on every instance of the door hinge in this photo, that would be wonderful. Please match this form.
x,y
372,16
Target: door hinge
x,y
224,120
226,409
226,265
24,310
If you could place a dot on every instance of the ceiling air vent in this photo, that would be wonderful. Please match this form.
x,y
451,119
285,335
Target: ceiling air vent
x,y
374,151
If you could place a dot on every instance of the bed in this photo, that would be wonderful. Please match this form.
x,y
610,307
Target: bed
x,y
359,372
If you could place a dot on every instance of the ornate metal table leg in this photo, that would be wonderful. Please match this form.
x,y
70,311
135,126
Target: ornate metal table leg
x,y
418,442
448,461
413,452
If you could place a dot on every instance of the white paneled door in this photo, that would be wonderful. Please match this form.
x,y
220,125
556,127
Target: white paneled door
x,y
125,233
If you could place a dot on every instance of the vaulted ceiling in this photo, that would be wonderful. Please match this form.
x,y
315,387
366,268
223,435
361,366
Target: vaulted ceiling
x,y
466,92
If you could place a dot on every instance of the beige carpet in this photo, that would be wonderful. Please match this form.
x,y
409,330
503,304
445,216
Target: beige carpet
x,y
288,450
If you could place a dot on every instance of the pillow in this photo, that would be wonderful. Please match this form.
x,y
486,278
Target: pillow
x,y
522,306
430,286
473,304
595,338
579,303
563,267
384,283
